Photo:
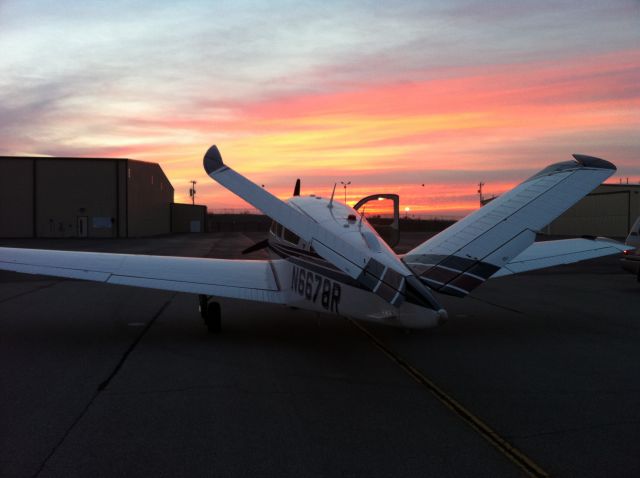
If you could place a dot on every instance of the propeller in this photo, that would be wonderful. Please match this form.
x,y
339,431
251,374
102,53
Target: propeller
x,y
256,247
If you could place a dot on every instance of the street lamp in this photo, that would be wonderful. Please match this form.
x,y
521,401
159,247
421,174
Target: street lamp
x,y
192,192
345,189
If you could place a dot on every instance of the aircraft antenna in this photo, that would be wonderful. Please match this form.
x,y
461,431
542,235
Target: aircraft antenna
x,y
332,194
362,216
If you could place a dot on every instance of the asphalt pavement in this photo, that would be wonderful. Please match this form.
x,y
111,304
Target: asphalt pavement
x,y
534,374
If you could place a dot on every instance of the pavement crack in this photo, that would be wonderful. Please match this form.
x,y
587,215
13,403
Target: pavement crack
x,y
169,390
133,345
504,307
102,386
31,291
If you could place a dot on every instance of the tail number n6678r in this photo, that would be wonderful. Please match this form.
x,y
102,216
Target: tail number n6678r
x,y
316,288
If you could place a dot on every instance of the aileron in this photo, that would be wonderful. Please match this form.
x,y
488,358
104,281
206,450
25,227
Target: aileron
x,y
555,253
215,277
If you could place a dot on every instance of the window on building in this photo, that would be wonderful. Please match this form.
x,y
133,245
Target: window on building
x,y
129,173
152,179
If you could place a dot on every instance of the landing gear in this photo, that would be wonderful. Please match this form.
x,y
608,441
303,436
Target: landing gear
x,y
211,313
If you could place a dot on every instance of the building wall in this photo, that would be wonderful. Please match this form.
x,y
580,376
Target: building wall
x,y
122,194
149,196
188,218
16,197
633,196
608,211
60,197
68,190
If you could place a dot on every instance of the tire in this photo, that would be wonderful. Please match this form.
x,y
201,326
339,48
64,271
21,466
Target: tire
x,y
202,300
213,318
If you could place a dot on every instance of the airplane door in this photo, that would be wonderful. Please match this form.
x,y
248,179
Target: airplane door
x,y
83,222
387,227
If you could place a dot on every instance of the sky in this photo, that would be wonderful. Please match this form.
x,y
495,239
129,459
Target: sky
x,y
423,98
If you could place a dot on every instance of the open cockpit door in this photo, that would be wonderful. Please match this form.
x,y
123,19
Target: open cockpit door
x,y
387,227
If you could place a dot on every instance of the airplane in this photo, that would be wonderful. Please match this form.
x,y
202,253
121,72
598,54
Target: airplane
x,y
325,256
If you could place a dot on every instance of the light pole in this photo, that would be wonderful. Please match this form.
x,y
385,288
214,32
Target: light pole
x,y
192,192
345,189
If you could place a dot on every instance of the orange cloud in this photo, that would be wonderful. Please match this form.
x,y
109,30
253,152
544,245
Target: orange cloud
x,y
516,117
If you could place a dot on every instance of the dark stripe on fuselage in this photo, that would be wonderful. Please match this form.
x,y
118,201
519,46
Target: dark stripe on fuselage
x,y
466,282
386,292
383,281
321,266
393,278
298,251
452,275
326,269
440,274
312,258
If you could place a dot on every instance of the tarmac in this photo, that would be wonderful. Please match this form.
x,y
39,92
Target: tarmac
x,y
533,375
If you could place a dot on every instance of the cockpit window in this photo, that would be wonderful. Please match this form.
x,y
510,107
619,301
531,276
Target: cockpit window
x,y
290,237
278,230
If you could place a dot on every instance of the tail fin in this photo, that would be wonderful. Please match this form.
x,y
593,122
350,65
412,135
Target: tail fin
x,y
463,256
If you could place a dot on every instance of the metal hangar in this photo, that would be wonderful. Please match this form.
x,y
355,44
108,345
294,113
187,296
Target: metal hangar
x,y
85,197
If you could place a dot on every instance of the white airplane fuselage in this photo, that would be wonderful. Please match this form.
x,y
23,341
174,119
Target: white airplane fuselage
x,y
311,283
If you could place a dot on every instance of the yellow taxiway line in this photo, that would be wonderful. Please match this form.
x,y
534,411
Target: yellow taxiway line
x,y
506,448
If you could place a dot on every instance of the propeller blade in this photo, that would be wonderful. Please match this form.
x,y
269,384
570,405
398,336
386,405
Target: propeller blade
x,y
256,247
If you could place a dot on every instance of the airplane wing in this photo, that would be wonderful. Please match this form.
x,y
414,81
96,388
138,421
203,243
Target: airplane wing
x,y
238,279
356,262
463,256
349,259
555,253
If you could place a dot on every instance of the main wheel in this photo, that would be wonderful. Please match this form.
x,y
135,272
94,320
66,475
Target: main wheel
x,y
202,301
213,318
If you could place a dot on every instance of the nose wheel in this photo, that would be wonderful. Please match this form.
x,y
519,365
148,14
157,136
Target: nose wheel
x,y
211,313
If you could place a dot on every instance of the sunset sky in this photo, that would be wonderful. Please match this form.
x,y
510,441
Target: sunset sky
x,y
387,95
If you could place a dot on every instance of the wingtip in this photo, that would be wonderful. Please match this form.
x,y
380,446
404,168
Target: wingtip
x,y
580,161
212,160
593,162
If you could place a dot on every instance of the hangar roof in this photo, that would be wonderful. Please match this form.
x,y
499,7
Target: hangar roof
x,y
71,158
